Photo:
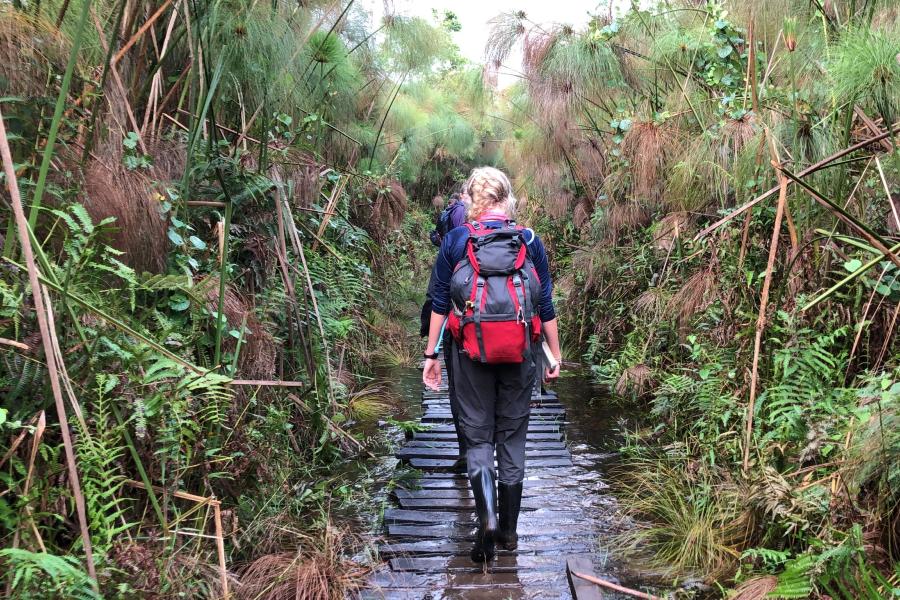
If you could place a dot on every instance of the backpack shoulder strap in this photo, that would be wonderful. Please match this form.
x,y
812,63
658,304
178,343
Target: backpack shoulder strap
x,y
527,234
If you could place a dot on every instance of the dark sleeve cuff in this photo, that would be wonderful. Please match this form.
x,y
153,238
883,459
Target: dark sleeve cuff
x,y
440,309
547,314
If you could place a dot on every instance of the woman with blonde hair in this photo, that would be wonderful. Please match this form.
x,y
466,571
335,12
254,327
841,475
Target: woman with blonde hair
x,y
492,284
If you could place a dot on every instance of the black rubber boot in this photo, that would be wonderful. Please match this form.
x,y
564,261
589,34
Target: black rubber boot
x,y
482,482
510,500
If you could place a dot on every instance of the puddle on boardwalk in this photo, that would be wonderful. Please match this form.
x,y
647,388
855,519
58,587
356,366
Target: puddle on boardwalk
x,y
565,511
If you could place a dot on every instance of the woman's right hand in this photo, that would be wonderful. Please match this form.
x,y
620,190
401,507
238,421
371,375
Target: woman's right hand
x,y
431,374
554,372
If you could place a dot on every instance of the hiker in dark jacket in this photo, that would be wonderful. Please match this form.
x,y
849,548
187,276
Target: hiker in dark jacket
x,y
493,397
453,216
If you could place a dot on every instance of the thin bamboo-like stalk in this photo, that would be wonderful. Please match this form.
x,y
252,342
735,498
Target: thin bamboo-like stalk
x,y
223,268
763,305
14,344
845,217
32,458
219,537
140,32
18,441
807,171
120,87
220,550
156,86
887,191
61,99
329,211
41,313
118,324
615,587
298,248
266,383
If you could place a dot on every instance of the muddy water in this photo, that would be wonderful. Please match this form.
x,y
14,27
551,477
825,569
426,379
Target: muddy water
x,y
592,424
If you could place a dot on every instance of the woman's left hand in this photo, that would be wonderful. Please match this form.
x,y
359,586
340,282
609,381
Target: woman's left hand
x,y
431,373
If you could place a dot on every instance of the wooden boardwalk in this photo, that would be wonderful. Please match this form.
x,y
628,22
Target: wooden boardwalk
x,y
430,529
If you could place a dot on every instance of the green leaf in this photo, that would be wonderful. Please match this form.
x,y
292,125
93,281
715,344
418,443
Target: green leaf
x,y
853,264
725,51
179,302
175,237
197,242
130,141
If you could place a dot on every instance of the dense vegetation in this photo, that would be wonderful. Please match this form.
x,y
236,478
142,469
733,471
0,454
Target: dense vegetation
x,y
720,180
216,194
226,203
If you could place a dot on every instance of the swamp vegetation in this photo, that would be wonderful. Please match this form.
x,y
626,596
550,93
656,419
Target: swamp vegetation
x,y
217,217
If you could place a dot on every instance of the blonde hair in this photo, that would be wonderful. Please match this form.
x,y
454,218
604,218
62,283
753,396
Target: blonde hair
x,y
489,189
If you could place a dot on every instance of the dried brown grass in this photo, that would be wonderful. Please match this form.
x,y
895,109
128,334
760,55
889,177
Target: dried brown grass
x,y
623,217
381,207
300,171
133,198
258,350
554,93
668,229
651,303
694,296
649,146
29,47
589,160
318,571
581,216
735,135
756,588
557,204
636,379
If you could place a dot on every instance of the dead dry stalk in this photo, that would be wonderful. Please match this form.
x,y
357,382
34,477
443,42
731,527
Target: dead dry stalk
x,y
46,337
763,305
615,587
807,171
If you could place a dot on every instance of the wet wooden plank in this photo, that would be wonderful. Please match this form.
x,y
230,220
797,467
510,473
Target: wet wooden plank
x,y
542,411
453,453
461,483
544,427
386,579
543,516
487,591
448,436
581,589
463,531
456,492
428,548
529,445
535,463
504,563
468,503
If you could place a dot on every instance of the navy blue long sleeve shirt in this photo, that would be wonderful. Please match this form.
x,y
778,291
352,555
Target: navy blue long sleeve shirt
x,y
453,250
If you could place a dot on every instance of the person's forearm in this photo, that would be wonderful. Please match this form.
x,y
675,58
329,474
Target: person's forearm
x,y
434,331
551,335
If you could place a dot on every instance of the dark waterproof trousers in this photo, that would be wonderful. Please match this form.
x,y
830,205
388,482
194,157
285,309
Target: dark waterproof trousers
x,y
493,403
447,346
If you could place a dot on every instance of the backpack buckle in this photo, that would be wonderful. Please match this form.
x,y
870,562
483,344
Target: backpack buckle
x,y
520,316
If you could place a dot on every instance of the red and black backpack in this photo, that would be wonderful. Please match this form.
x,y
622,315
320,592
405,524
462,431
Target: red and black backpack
x,y
495,292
